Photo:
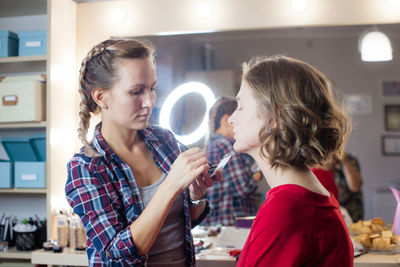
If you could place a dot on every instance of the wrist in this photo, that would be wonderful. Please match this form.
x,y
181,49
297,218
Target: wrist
x,y
197,201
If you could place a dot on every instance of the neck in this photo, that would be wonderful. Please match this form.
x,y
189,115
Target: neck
x,y
288,175
223,131
118,137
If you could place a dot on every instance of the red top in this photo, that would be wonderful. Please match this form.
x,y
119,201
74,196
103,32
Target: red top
x,y
325,177
297,227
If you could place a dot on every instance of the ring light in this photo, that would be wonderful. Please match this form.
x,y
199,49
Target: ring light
x,y
174,96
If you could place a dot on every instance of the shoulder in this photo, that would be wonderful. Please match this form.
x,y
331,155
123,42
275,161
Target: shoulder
x,y
80,160
82,169
283,211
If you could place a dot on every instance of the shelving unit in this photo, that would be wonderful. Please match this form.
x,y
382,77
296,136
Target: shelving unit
x,y
39,191
13,253
22,59
24,125
32,200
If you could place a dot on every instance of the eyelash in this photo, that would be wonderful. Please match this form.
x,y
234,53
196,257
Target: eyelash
x,y
140,91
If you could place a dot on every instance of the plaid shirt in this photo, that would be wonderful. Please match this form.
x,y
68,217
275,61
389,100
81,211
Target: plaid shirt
x,y
103,192
235,195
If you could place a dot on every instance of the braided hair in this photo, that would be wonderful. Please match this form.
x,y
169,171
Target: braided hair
x,y
98,70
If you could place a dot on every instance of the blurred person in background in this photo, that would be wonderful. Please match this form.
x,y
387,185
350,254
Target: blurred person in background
x,y
347,176
235,195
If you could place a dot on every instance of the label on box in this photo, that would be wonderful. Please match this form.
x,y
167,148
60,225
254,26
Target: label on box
x,y
29,177
33,44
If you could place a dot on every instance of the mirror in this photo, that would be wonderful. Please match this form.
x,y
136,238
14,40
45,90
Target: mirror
x,y
334,50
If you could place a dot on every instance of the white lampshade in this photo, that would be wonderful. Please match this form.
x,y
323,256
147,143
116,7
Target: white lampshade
x,y
374,45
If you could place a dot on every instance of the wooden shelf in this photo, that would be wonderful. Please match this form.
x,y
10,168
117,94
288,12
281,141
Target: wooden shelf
x,y
13,253
22,59
23,125
67,257
23,190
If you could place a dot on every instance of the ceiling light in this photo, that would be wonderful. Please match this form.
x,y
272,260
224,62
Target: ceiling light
x,y
203,10
299,5
394,2
374,45
118,15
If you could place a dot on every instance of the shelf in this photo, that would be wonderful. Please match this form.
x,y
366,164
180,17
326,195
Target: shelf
x,y
13,253
23,190
12,8
22,59
67,257
23,125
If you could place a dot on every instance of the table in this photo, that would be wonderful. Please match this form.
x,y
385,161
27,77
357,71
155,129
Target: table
x,y
203,259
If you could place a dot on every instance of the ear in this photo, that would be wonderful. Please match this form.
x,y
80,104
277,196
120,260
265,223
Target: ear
x,y
99,97
224,120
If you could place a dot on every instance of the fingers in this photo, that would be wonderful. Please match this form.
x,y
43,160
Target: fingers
x,y
194,157
218,176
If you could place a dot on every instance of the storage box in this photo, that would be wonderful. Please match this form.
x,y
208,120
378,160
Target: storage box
x,y
8,44
28,171
32,43
6,174
30,174
38,143
22,99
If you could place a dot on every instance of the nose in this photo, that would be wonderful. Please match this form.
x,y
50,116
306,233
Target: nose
x,y
231,118
148,99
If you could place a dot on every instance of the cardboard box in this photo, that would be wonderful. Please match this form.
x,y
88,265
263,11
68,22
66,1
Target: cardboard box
x,y
6,174
22,99
32,43
30,174
8,44
28,171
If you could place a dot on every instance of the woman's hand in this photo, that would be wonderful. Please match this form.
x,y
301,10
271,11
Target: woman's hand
x,y
198,187
187,167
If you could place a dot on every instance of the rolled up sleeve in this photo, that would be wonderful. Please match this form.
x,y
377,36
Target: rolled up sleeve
x,y
105,227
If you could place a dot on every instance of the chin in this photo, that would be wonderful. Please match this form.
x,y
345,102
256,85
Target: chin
x,y
237,147
138,125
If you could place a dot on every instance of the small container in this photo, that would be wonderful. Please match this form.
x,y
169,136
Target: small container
x,y
57,249
62,230
244,222
47,246
25,238
77,235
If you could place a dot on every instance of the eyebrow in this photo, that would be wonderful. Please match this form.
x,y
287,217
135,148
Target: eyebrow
x,y
144,85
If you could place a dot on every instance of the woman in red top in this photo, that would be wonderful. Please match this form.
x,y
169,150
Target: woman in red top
x,y
288,120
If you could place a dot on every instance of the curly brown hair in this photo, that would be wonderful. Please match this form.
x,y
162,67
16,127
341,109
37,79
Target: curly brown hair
x,y
306,125
98,70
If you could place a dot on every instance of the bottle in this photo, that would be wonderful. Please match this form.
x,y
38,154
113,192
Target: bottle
x,y
62,229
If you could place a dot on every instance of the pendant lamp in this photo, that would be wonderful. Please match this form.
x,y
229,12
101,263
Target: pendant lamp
x,y
374,45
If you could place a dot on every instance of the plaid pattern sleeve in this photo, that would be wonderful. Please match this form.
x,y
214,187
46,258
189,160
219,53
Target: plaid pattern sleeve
x,y
234,196
103,192
106,232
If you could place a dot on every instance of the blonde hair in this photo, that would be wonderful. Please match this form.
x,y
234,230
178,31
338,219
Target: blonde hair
x,y
305,124
98,70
